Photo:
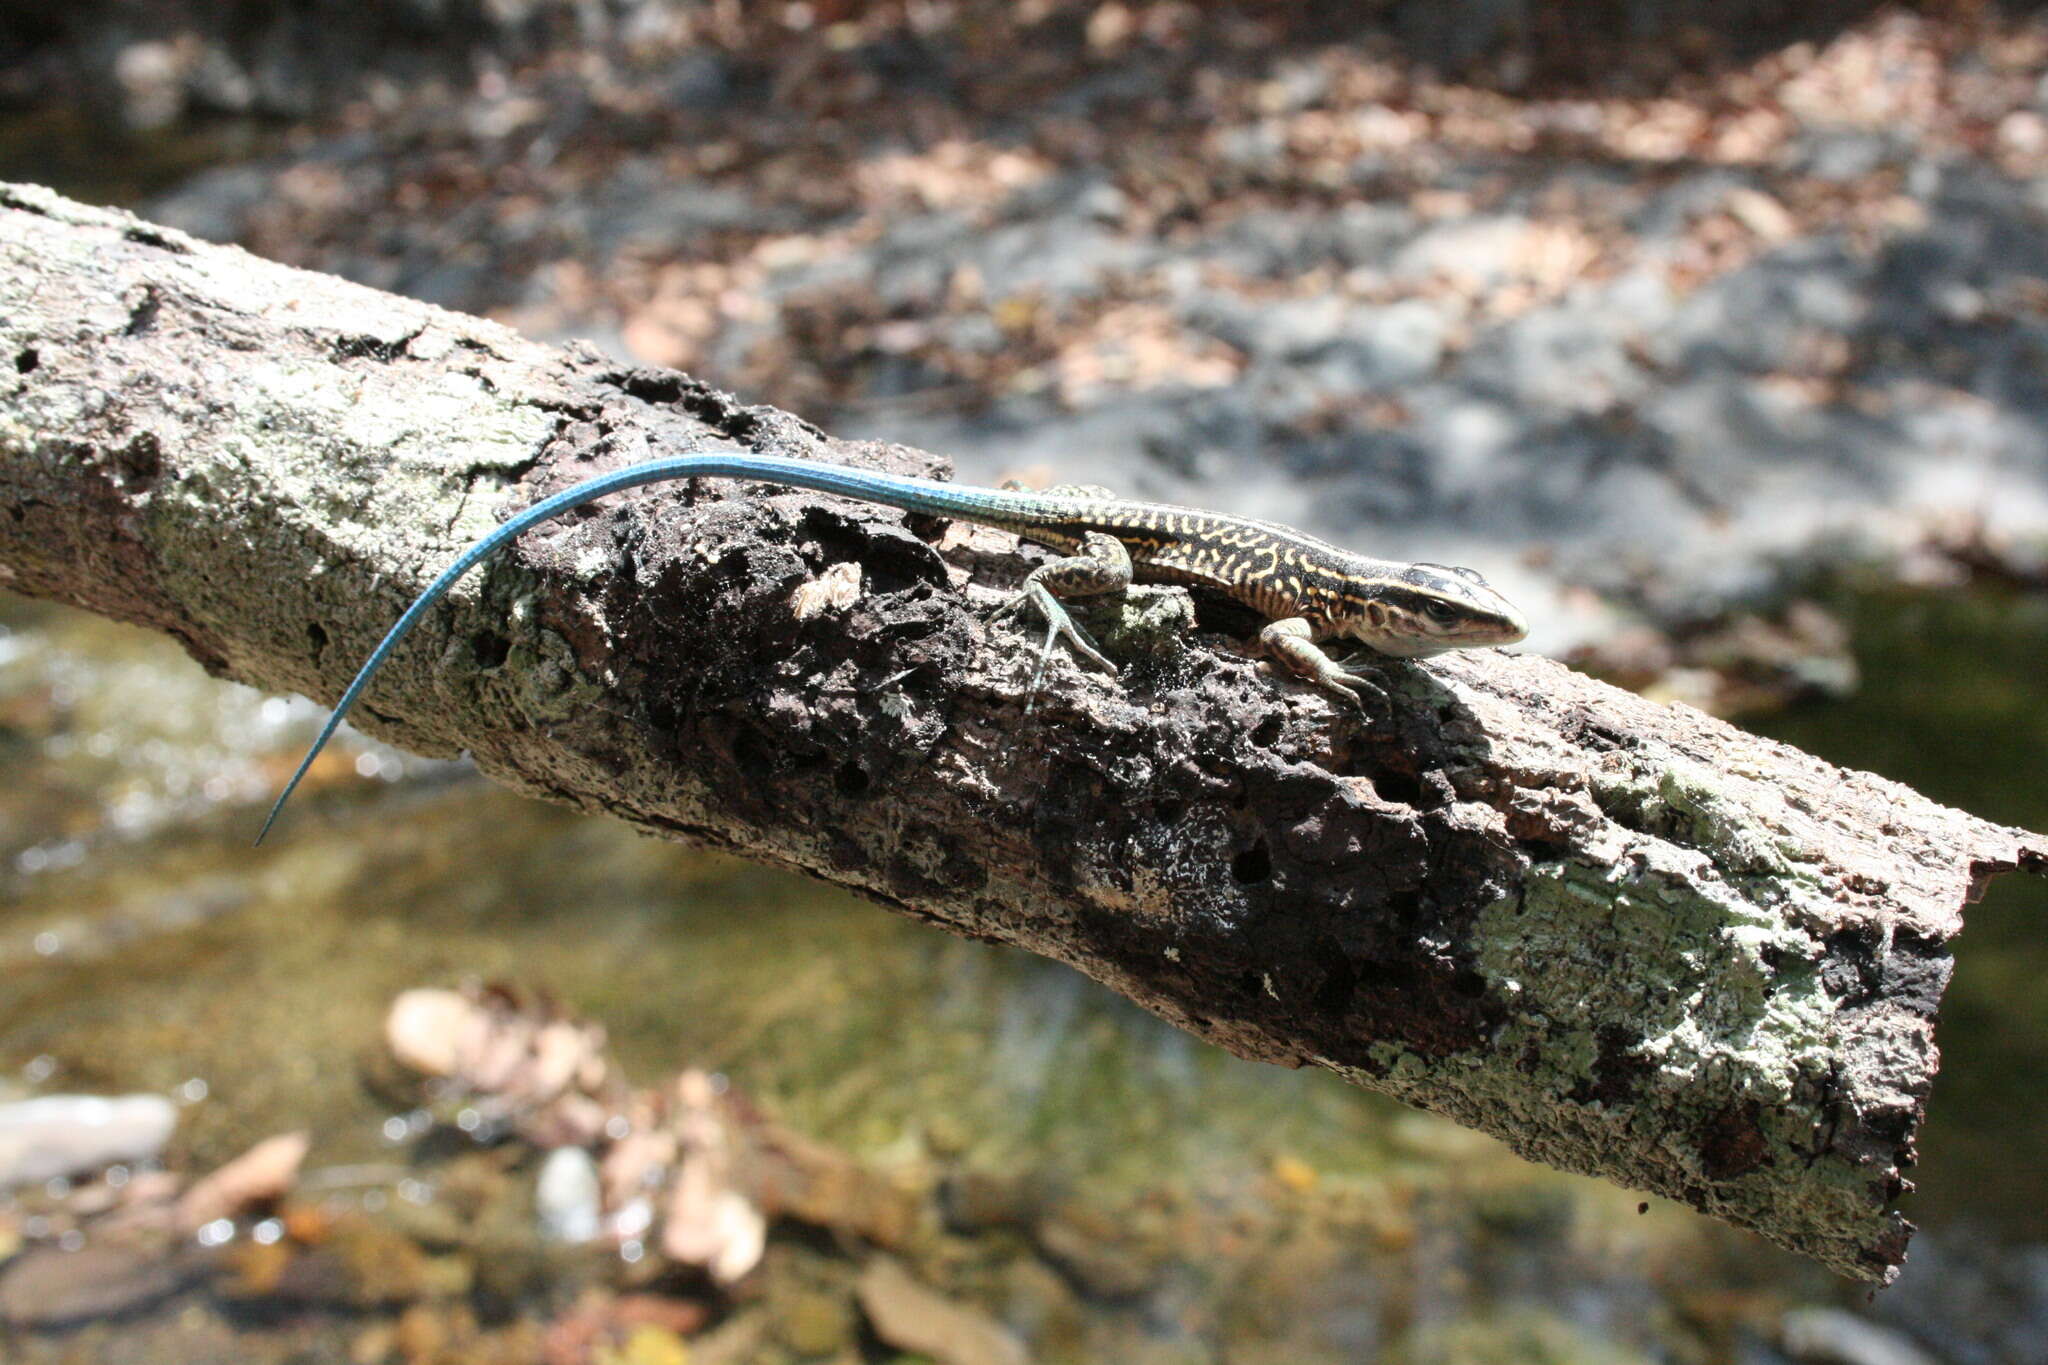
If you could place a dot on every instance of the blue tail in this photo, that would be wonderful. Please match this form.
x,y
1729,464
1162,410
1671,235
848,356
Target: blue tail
x,y
915,495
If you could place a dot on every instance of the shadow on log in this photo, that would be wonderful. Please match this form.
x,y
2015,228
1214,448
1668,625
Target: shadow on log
x,y
1627,939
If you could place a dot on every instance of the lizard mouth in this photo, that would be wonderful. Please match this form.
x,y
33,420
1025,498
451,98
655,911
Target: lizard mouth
x,y
1510,629
1507,628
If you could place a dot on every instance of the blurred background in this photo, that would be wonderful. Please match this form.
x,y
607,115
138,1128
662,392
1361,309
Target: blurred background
x,y
1717,334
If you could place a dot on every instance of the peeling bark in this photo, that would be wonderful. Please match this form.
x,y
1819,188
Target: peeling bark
x,y
1627,939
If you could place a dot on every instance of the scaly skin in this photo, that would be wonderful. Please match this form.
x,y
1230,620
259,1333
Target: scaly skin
x,y
1309,590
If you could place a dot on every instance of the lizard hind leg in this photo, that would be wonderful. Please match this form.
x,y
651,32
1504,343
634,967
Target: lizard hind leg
x,y
1102,567
1291,644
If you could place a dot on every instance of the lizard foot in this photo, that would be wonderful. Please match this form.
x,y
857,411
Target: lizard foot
x,y
1059,625
1353,687
1289,642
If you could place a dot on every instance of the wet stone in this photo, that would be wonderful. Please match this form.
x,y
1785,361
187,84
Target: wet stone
x,y
1043,1306
1829,1336
1095,1251
48,1287
651,1345
815,1323
918,1319
361,1265
63,1135
976,1200
567,1197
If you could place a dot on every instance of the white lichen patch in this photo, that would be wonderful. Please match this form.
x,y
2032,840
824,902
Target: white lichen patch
x,y
1667,965
836,589
298,423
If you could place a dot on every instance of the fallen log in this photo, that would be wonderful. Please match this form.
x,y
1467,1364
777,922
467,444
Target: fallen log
x,y
1628,939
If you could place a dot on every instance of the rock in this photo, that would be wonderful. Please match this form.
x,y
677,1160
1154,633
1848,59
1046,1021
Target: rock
x,y
740,1340
548,1074
598,1326
718,1230
567,1197
792,1176
707,1222
921,1321
254,1268
63,1135
431,1031
262,1175
361,1264
1043,1307
1386,348
976,1200
651,1345
47,1287
1829,1336
813,1322
424,1333
684,1317
1096,1252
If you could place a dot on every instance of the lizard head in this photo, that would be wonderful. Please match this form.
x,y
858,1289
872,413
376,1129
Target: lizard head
x,y
1412,611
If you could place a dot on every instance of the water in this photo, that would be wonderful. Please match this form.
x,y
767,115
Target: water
x,y
1955,704
1278,1215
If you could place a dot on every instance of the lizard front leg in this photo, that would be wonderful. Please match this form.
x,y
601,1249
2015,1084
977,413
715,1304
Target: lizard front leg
x,y
1291,643
1103,566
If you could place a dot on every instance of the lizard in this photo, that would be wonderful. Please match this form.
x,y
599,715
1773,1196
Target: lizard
x,y
1308,590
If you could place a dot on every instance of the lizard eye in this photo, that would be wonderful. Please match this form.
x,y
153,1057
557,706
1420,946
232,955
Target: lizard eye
x,y
1440,611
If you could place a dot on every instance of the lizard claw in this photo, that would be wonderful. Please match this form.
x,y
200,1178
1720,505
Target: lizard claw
x,y
1059,625
1354,688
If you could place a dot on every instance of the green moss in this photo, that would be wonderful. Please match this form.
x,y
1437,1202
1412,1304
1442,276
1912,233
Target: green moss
x,y
1147,623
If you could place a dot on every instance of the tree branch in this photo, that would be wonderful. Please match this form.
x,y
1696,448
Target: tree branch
x,y
1627,939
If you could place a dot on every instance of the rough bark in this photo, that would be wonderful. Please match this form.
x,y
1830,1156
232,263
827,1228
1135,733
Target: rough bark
x,y
1627,939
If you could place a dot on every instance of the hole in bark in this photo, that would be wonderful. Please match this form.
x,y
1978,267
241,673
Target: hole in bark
x,y
316,636
26,359
492,649
753,754
1254,864
1404,906
1249,983
1386,976
1339,984
371,348
1468,983
141,459
142,317
1732,1144
1169,812
1543,850
1397,788
1851,970
1267,733
851,780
